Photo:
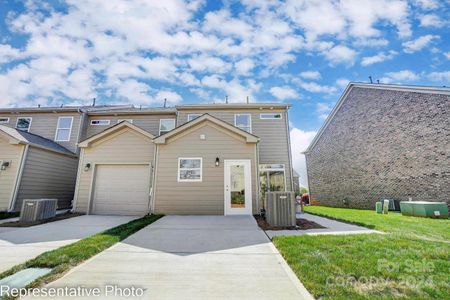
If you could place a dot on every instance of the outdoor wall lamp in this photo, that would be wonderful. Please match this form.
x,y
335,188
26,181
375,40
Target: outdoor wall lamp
x,y
217,161
5,165
87,167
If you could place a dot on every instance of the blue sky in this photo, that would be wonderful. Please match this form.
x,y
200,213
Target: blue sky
x,y
140,52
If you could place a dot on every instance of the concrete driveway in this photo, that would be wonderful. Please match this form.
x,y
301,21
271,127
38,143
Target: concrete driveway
x,y
193,257
18,245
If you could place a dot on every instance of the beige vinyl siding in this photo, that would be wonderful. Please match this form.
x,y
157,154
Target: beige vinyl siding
x,y
123,147
273,146
149,123
47,174
45,124
8,177
207,196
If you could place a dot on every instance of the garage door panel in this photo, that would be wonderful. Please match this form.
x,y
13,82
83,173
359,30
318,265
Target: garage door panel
x,y
121,189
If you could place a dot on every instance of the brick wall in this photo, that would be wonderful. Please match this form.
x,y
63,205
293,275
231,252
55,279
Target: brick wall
x,y
383,144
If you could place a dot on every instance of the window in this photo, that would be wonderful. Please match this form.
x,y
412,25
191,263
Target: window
x,y
64,129
189,169
166,125
23,123
4,120
193,116
272,178
100,122
270,116
128,120
243,121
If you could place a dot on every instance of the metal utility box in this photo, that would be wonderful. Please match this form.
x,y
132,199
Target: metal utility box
x,y
37,209
280,209
424,209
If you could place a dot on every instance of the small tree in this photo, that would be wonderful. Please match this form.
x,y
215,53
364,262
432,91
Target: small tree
x,y
303,190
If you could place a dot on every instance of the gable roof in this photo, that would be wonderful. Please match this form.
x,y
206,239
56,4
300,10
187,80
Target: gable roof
x,y
26,138
250,138
113,129
393,87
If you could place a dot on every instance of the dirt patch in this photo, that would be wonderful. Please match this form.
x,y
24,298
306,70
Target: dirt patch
x,y
56,218
302,224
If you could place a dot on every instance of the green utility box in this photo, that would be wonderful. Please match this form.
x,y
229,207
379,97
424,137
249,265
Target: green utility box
x,y
424,209
378,207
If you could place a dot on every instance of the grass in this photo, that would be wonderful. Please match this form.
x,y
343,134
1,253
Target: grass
x,y
7,215
63,259
411,261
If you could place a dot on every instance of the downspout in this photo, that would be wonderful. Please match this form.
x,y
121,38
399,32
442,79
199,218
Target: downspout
x,y
289,149
19,177
153,196
258,185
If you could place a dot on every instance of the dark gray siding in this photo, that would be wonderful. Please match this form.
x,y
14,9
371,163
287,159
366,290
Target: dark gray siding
x,y
383,144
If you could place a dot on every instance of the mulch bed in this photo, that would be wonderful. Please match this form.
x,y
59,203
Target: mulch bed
x,y
56,218
302,224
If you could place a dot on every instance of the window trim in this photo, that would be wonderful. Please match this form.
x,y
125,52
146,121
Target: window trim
x,y
4,122
193,114
250,121
109,122
271,118
58,128
190,180
128,120
29,126
274,169
174,124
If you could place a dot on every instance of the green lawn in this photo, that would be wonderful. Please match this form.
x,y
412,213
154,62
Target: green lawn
x,y
66,257
412,260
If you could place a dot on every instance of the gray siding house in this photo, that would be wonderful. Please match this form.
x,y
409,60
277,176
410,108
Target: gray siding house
x,y
189,159
382,142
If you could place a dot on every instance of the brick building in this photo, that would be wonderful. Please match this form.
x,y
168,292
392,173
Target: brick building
x,y
382,141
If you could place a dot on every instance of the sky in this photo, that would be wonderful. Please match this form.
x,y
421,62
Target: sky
x,y
141,52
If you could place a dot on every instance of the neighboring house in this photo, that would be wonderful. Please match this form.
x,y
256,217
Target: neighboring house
x,y
191,159
382,141
38,153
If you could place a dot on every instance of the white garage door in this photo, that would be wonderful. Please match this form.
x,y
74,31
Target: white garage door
x,y
121,190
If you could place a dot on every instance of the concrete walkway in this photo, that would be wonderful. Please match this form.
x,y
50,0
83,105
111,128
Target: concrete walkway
x,y
193,257
18,245
331,227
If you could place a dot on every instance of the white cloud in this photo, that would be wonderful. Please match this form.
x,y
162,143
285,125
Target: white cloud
x,y
399,77
314,87
8,53
342,82
244,66
171,97
431,20
310,75
284,92
427,4
209,64
323,110
444,76
447,54
419,43
380,57
300,140
340,54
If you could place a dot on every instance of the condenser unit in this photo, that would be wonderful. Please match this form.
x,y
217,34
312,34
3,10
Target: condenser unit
x,y
280,209
37,209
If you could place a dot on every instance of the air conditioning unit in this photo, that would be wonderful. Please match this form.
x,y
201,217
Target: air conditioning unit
x,y
280,209
37,209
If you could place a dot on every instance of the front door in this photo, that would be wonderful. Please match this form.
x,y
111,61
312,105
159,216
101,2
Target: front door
x,y
238,187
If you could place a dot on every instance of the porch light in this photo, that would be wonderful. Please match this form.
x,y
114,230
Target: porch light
x,y
87,167
217,161
5,165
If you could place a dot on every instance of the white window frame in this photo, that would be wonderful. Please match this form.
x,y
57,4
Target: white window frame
x,y
249,119
190,180
4,122
58,128
128,120
262,117
190,115
29,126
108,122
274,169
160,121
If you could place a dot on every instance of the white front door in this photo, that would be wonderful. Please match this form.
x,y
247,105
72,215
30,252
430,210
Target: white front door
x,y
238,187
